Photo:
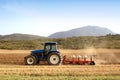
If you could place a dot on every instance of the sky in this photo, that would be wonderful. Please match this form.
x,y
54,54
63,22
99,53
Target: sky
x,y
45,17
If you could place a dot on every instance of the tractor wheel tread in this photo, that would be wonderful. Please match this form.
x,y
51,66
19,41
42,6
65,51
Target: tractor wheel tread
x,y
58,55
32,58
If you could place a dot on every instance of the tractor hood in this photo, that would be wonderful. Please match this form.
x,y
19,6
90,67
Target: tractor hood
x,y
37,51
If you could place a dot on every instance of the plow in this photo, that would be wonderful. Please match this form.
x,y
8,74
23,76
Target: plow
x,y
53,57
80,60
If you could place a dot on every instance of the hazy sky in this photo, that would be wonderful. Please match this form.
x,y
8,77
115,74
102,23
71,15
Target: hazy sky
x,y
44,17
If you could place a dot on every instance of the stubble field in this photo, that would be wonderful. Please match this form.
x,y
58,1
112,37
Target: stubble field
x,y
107,66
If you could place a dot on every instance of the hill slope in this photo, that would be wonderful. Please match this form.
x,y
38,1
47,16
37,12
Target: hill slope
x,y
17,36
0,36
83,31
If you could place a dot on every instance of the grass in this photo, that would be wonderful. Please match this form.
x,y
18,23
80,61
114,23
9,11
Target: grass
x,y
19,77
62,72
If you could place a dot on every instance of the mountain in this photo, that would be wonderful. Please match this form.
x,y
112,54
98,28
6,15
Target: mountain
x,y
83,31
18,36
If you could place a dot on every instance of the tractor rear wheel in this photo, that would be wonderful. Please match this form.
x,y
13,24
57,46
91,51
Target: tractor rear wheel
x,y
54,59
30,60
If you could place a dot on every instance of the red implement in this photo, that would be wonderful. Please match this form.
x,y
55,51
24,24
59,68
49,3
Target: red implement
x,y
78,60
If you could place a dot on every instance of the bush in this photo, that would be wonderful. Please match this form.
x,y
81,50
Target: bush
x,y
108,41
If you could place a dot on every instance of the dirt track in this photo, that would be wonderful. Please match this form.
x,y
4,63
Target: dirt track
x,y
101,56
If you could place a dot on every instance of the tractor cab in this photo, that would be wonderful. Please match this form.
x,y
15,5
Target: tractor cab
x,y
50,47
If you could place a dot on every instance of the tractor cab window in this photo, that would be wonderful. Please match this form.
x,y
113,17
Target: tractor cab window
x,y
50,47
47,47
53,48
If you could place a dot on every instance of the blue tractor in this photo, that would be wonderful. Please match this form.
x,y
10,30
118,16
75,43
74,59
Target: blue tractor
x,y
49,54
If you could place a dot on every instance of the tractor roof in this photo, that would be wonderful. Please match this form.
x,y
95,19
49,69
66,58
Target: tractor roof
x,y
50,42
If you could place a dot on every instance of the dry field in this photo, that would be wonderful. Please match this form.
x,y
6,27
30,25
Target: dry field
x,y
12,66
101,56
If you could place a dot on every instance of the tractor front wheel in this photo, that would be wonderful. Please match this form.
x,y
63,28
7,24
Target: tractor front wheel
x,y
54,59
30,60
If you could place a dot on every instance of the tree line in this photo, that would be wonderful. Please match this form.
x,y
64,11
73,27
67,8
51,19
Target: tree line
x,y
108,41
